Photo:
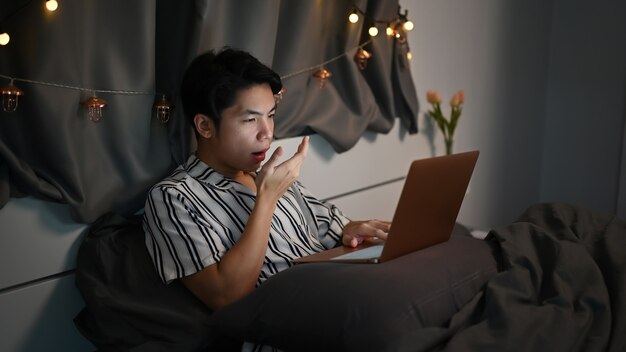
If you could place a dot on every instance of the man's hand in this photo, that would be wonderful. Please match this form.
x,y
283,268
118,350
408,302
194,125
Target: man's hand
x,y
355,232
275,178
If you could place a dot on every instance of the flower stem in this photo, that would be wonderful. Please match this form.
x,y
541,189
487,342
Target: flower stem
x,y
448,146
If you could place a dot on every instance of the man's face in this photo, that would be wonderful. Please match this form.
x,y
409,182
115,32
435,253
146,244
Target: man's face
x,y
246,131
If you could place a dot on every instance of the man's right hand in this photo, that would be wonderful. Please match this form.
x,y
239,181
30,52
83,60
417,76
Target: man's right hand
x,y
275,178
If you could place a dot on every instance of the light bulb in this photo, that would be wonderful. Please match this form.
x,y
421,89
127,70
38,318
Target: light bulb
x,y
4,38
409,56
408,26
354,17
52,5
373,31
389,31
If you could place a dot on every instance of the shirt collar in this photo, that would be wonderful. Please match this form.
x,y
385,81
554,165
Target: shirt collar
x,y
197,169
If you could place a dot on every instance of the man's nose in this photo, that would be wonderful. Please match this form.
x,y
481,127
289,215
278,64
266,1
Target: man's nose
x,y
265,129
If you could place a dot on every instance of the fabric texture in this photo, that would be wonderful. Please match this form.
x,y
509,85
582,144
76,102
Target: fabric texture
x,y
562,288
128,308
564,280
193,217
110,165
360,307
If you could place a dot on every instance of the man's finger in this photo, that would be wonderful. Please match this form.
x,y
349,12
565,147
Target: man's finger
x,y
275,156
355,242
303,147
298,157
300,154
381,234
370,230
380,224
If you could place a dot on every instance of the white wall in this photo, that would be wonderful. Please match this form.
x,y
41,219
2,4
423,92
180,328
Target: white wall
x,y
38,299
510,57
497,52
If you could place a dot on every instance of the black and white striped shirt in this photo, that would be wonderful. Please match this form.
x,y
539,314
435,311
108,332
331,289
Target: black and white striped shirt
x,y
196,214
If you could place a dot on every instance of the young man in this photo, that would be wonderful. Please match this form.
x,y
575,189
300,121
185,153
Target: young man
x,y
222,222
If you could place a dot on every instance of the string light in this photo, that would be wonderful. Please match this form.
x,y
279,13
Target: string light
x,y
94,107
4,38
354,17
308,69
10,96
52,5
163,109
94,104
395,28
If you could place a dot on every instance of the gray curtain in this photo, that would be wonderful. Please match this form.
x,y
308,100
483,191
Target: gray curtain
x,y
130,52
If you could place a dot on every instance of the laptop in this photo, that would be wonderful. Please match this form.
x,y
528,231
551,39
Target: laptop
x,y
425,215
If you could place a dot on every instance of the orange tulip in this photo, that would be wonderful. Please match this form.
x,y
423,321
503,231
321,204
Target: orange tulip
x,y
433,97
457,99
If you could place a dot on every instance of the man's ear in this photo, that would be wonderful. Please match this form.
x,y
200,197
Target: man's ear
x,y
204,126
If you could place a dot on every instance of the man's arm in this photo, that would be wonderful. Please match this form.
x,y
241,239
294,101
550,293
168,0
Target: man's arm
x,y
237,272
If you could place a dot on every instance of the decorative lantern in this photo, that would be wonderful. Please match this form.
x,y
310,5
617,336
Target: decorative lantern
x,y
279,96
396,30
400,36
402,26
94,107
163,110
323,74
10,95
361,58
407,24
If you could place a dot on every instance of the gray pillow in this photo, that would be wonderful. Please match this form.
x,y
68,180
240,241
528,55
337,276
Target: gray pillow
x,y
358,307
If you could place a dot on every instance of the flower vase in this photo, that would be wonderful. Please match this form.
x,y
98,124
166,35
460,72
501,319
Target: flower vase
x,y
448,146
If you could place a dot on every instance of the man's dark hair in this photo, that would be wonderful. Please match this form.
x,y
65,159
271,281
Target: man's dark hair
x,y
213,79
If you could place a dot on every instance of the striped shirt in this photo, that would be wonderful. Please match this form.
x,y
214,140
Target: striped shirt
x,y
194,216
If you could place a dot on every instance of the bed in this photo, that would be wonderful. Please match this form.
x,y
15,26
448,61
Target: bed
x,y
553,280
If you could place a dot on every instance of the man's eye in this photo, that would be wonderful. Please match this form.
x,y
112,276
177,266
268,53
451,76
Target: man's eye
x,y
250,119
270,116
